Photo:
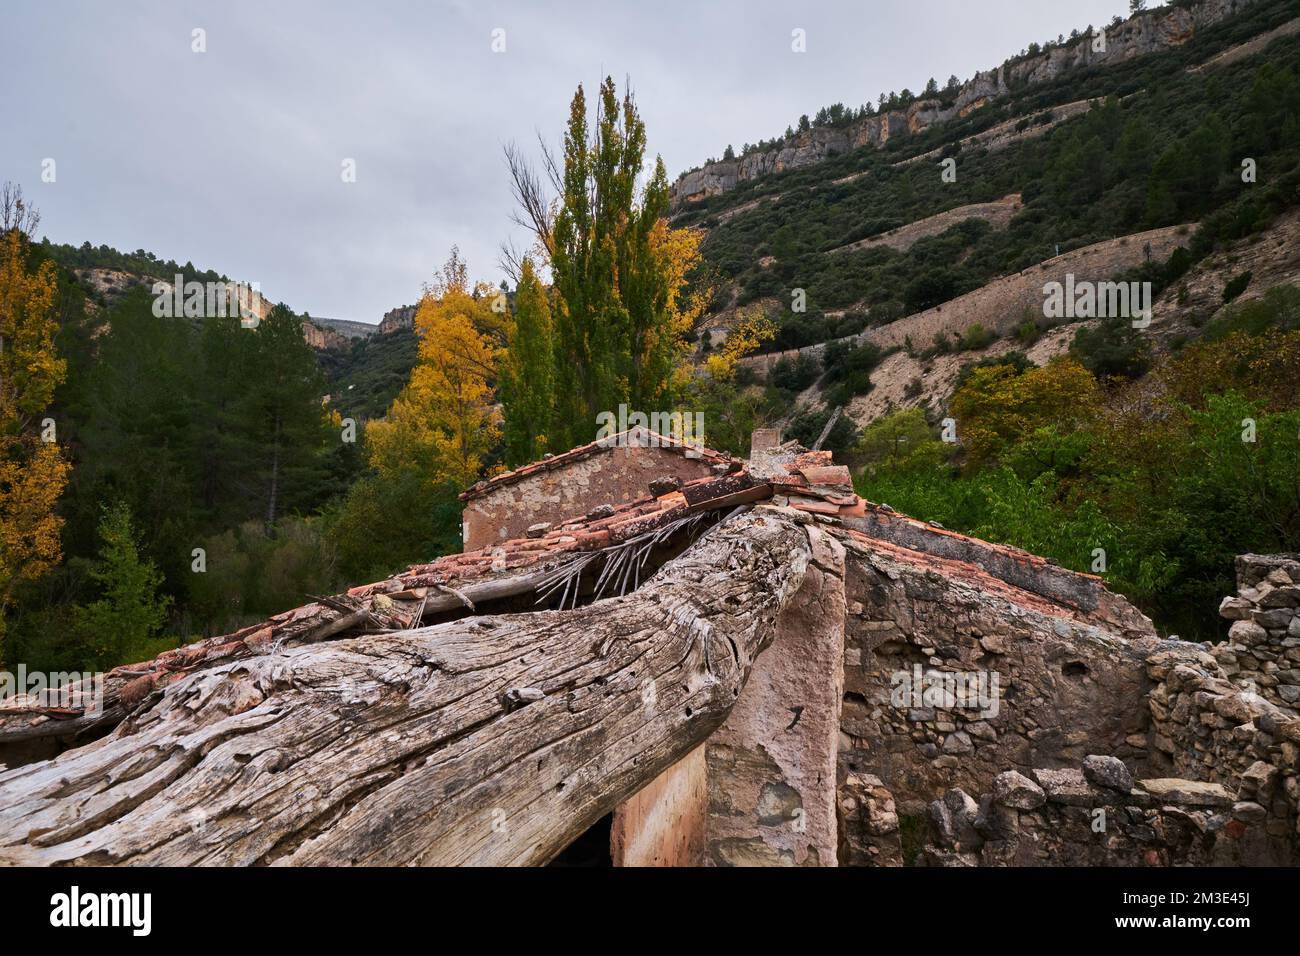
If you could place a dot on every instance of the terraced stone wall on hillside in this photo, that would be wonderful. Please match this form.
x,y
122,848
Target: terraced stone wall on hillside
x,y
1003,304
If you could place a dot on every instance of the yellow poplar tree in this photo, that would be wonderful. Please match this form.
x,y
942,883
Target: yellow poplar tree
x,y
445,421
33,472
752,330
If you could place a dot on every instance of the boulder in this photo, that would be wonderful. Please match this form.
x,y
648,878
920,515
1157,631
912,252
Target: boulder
x,y
1014,789
1108,772
1069,787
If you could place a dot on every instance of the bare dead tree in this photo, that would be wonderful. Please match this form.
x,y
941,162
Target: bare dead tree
x,y
511,261
534,210
16,212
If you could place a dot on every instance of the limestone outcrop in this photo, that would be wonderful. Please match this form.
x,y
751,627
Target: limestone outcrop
x,y
1145,33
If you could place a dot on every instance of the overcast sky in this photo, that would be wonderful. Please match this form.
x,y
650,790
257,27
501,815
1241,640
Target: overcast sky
x,y
231,158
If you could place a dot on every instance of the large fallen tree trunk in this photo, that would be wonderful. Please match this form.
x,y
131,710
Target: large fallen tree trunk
x,y
486,740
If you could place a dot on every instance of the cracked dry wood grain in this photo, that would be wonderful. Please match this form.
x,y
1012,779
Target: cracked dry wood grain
x,y
400,748
322,620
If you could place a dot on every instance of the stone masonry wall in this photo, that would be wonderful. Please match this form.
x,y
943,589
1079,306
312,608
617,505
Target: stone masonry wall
x,y
761,790
1263,648
1066,687
610,477
772,764
1217,760
1095,815
1208,729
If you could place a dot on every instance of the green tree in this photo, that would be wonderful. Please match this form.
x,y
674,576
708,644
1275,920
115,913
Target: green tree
x,y
900,443
280,413
618,271
389,522
119,625
144,394
527,372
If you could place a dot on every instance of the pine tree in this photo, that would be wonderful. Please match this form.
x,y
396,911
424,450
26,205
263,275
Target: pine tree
x,y
130,610
280,411
135,421
528,372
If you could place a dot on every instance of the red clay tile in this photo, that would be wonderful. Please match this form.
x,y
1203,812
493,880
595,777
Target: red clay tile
x,y
828,475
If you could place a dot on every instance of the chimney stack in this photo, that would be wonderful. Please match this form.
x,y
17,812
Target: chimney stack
x,y
763,440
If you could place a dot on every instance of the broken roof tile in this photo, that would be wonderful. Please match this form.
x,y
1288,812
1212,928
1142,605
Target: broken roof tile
x,y
836,475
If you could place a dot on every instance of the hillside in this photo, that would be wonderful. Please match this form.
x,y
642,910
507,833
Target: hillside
x,y
1094,169
366,375
837,130
365,364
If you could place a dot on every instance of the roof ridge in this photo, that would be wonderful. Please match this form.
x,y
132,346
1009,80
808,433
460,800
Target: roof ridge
x,y
606,443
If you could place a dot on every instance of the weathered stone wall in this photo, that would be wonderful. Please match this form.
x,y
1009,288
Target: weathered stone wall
x,y
868,820
1263,648
1096,815
761,790
772,764
1066,685
611,476
1218,758
1080,697
1206,728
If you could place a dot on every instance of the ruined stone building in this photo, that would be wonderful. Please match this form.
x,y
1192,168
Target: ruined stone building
x,y
688,661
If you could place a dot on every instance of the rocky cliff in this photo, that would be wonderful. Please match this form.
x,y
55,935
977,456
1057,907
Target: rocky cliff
x,y
402,317
322,337
1145,33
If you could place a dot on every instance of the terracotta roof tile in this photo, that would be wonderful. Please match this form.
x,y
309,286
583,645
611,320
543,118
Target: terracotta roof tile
x,y
837,475
814,505
811,459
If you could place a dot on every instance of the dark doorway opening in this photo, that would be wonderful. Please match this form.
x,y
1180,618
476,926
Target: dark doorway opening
x,y
590,849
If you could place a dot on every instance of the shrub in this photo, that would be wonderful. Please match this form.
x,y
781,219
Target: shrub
x,y
1236,286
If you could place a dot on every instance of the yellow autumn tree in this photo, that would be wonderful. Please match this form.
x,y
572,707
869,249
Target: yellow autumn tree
x,y
445,421
731,409
33,472
665,354
752,329
1000,406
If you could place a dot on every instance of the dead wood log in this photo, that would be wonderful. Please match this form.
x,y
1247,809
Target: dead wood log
x,y
486,740
314,622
